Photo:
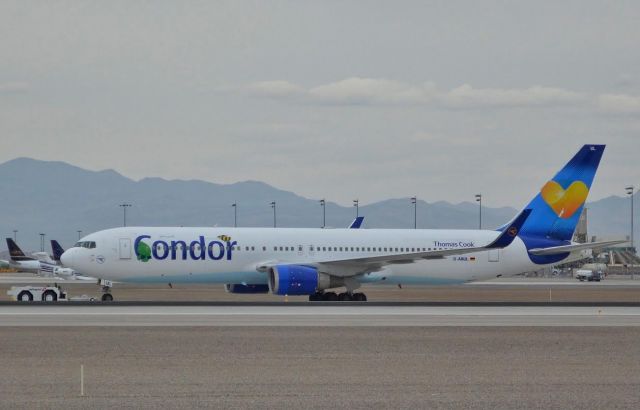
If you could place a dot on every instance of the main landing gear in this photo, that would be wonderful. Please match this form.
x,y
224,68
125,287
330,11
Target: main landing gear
x,y
333,297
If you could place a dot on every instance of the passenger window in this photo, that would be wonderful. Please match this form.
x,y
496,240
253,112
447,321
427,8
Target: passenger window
x,y
281,249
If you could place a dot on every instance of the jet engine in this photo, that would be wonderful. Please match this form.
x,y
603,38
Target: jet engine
x,y
300,280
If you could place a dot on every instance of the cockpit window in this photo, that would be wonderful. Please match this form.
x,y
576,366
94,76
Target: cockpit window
x,y
85,244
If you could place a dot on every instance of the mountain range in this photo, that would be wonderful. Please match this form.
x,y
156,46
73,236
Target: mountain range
x,y
59,199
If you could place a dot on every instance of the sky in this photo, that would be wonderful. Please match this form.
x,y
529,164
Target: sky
x,y
328,99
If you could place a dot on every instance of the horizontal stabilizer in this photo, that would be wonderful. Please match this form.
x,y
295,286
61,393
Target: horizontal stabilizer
x,y
554,250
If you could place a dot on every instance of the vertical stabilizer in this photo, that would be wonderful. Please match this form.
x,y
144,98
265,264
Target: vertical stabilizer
x,y
557,208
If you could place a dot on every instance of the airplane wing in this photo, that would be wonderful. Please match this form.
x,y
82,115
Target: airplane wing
x,y
359,265
574,247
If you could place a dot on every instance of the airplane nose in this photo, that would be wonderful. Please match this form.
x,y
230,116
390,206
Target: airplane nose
x,y
67,258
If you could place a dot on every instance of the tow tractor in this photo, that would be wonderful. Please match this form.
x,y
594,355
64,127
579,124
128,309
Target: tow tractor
x,y
42,294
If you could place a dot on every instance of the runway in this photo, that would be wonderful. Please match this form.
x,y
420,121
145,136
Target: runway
x,y
300,315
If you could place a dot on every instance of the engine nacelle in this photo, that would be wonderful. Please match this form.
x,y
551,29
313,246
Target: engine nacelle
x,y
240,288
300,280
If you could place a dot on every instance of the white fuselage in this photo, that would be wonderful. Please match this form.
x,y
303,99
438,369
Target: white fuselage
x,y
178,256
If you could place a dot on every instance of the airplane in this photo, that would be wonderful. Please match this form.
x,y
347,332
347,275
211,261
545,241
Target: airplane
x,y
314,262
41,263
24,263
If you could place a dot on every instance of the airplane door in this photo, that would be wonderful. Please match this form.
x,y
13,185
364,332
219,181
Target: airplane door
x,y
312,251
494,255
125,248
300,250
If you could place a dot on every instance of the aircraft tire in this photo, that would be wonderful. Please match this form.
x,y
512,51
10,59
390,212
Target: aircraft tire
x,y
359,297
315,297
107,297
344,297
49,296
25,296
329,297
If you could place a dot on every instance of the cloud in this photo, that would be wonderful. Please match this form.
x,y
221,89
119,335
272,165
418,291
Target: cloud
x,y
466,96
619,103
356,90
13,87
274,89
380,91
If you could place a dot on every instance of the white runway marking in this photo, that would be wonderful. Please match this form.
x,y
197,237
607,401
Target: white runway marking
x,y
317,316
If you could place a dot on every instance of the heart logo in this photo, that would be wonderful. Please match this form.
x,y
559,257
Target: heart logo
x,y
564,202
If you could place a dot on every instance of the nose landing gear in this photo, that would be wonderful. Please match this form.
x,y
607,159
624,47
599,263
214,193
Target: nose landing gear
x,y
106,290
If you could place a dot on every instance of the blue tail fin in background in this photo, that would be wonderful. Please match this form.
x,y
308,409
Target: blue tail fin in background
x,y
557,208
57,250
357,223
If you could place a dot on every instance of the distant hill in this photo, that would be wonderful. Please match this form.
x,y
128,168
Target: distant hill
x,y
58,199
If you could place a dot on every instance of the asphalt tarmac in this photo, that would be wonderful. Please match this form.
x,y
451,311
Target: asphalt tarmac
x,y
499,290
321,367
389,355
318,315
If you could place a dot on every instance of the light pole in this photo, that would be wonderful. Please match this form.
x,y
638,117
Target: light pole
x,y
15,236
630,193
124,209
273,205
79,234
324,215
479,200
414,201
355,203
42,235
235,214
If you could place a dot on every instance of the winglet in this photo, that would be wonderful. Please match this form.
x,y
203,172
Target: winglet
x,y
510,232
356,223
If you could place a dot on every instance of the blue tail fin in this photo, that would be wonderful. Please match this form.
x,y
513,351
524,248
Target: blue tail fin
x,y
357,223
557,208
57,250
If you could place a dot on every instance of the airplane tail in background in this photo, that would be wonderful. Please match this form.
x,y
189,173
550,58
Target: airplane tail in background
x,y
57,250
557,208
16,253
